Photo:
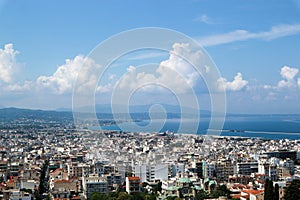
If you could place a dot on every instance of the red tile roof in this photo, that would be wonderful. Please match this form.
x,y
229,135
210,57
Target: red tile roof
x,y
254,192
236,196
134,178
57,170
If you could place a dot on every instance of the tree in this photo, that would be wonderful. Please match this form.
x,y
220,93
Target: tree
x,y
124,196
157,187
98,196
266,194
269,190
201,194
276,192
171,198
221,191
150,197
138,196
112,195
292,192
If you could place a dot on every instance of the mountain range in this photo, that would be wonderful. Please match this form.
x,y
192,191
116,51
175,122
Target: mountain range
x,y
137,112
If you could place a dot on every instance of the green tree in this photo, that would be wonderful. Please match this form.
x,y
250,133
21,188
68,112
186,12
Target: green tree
x,y
276,192
157,187
266,194
98,196
221,191
123,196
138,196
292,192
112,195
201,194
150,197
269,190
171,198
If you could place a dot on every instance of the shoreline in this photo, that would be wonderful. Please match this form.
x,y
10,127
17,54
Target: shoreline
x,y
232,134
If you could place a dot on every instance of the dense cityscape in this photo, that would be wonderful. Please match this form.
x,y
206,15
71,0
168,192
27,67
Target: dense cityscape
x,y
149,100
56,161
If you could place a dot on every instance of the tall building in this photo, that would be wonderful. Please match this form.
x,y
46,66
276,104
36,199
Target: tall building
x,y
288,164
141,171
208,169
268,169
177,170
224,169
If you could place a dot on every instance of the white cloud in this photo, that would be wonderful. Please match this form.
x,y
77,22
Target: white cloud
x,y
133,79
104,88
9,67
180,66
288,74
81,70
14,87
237,84
8,63
63,79
205,19
267,87
285,88
242,35
112,76
174,73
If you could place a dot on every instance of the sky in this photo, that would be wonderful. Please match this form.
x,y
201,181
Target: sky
x,y
254,44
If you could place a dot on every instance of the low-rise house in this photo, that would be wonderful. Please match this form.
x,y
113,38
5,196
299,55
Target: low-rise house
x,y
133,184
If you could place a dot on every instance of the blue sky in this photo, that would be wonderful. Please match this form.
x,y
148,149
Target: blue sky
x,y
256,42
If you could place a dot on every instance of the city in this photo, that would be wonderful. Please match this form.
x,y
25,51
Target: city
x,y
59,162
149,100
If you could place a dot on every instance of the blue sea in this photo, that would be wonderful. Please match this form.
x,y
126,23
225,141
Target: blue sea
x,y
262,126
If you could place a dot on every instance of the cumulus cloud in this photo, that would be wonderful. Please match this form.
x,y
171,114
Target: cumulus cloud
x,y
133,79
174,73
15,87
81,70
9,68
63,79
285,88
288,74
8,63
180,66
237,84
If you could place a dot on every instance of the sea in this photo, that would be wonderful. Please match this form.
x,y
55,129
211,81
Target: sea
x,y
258,126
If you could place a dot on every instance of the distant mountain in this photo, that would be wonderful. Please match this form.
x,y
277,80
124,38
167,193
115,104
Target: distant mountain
x,y
20,113
104,112
175,109
63,109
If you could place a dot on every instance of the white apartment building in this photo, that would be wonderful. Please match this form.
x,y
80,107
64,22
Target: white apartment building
x,y
150,173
